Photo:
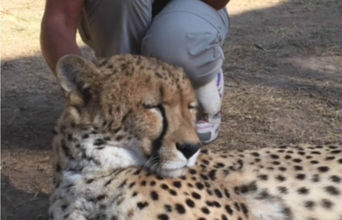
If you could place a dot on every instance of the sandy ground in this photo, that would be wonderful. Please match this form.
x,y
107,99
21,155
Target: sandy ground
x,y
282,85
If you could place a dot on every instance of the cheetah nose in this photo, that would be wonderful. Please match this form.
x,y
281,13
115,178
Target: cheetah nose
x,y
188,149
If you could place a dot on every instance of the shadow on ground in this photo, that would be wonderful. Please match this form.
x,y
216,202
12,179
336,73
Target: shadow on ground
x,y
14,201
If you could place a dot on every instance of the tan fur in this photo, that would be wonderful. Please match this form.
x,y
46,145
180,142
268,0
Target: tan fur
x,y
107,166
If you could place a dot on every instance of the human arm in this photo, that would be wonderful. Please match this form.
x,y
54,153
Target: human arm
x,y
58,29
217,4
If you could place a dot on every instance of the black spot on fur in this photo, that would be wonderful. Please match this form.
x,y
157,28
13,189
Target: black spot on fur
x,y
287,212
301,153
206,162
255,154
276,163
274,156
209,203
219,165
280,178
154,195
212,174
119,137
88,181
330,158
143,183
164,186
300,176
177,184
336,152
192,171
168,208
262,195
282,189
163,217
244,209
323,169
159,177
297,160
315,152
100,197
315,178
226,193
122,183
216,204
218,193
287,157
270,168
262,177
309,204
298,168
237,206
190,203
142,205
131,185
205,210
326,203
199,185
172,192
204,151
195,195
180,208
204,177
335,179
332,190
282,168
137,172
303,191
229,209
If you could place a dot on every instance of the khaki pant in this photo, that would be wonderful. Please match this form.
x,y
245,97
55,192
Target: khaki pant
x,y
186,33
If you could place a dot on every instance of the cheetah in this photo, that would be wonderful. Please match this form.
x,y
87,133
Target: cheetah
x,y
125,147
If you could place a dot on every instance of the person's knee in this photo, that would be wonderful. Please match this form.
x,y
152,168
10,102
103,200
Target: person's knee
x,y
198,53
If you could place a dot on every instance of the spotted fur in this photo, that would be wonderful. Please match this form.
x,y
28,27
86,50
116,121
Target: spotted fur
x,y
127,111
98,178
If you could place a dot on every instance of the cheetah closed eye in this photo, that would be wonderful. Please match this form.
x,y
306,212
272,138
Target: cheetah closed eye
x,y
132,115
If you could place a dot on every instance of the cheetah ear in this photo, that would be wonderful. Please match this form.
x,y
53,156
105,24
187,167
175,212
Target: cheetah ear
x,y
74,73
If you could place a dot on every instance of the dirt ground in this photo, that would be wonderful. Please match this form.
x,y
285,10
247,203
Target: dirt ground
x,y
282,85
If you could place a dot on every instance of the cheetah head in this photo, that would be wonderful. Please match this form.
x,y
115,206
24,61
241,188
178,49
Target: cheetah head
x,y
146,108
